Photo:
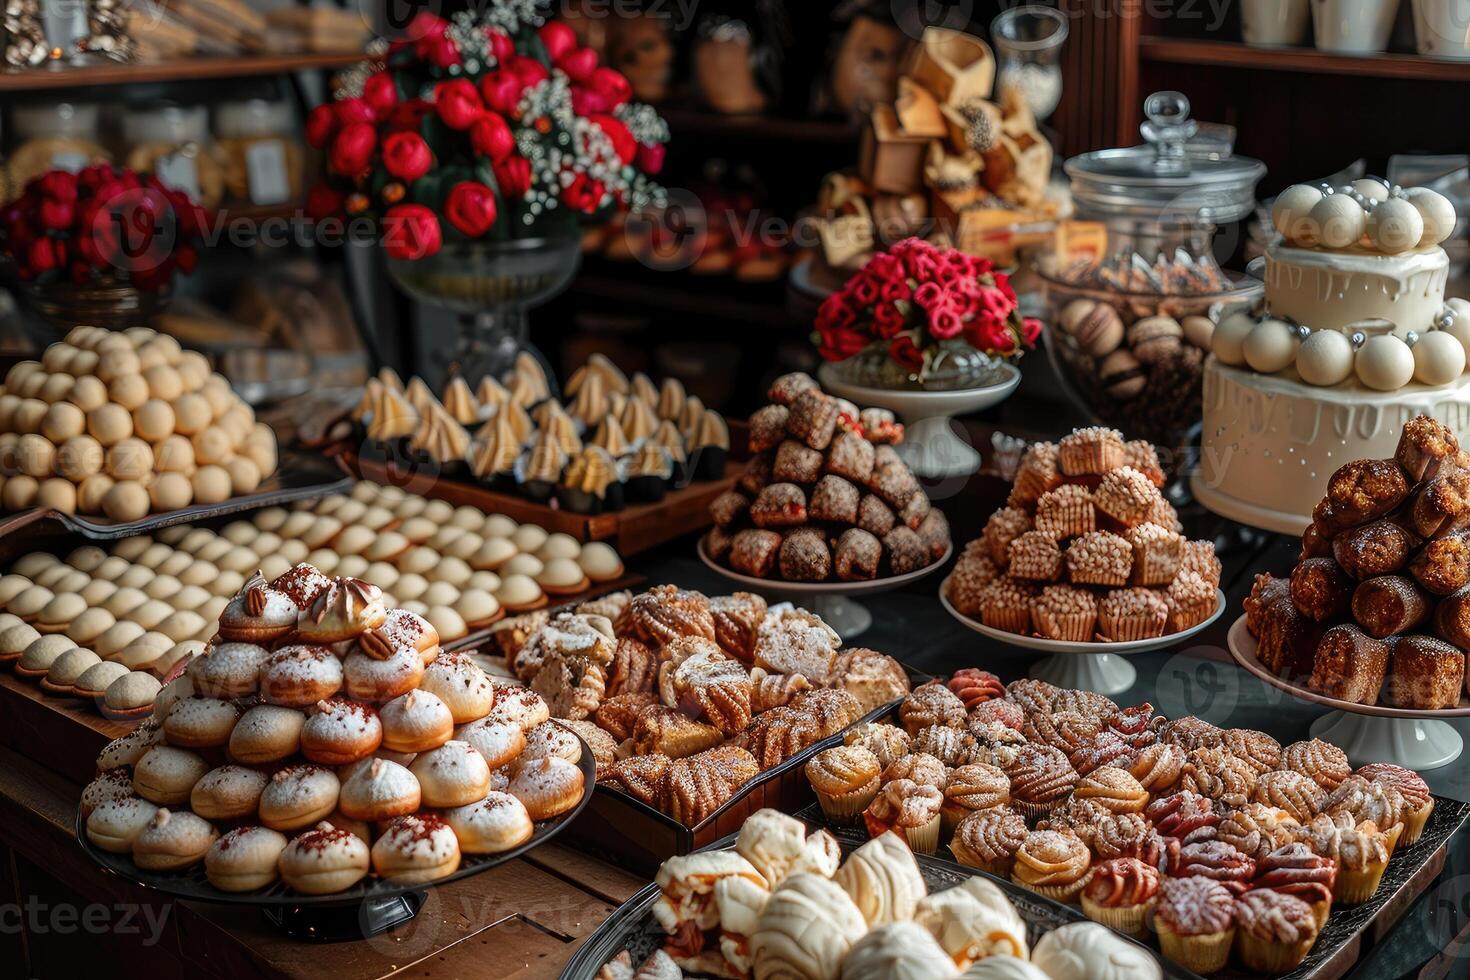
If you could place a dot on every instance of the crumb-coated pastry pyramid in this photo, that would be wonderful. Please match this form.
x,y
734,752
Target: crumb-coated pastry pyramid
x,y
1159,828
786,902
825,497
377,754
1087,548
684,697
1377,611
125,423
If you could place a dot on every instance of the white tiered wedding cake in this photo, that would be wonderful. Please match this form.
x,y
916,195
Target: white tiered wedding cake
x,y
1355,338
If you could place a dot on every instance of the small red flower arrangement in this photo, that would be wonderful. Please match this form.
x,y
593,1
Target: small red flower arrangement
x,y
103,223
916,298
489,125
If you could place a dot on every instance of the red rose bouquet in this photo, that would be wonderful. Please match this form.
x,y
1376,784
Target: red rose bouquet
x,y
493,125
102,224
919,301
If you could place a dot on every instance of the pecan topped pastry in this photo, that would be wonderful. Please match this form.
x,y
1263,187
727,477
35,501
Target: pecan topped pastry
x,y
1216,860
989,839
1293,792
931,705
1324,762
711,687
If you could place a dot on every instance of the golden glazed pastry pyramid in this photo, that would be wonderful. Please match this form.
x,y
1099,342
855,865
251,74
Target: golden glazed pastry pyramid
x,y
121,424
353,746
1378,608
685,698
1087,548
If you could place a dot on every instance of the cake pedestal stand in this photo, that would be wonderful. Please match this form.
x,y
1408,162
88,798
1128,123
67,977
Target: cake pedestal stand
x,y
1406,737
829,600
930,446
1251,515
1094,666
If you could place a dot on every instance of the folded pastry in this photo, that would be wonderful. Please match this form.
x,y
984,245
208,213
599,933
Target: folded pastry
x,y
702,783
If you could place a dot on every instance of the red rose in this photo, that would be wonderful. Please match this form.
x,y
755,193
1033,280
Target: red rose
x,y
470,208
864,291
458,104
893,290
840,343
426,26
354,110
1030,330
624,145
381,92
921,265
884,267
583,194
56,215
90,178
651,157
501,46
528,70
323,201
586,102
411,231
557,38
41,256
612,85
888,320
409,115
835,313
352,150
321,124
513,174
945,323
491,137
579,64
502,91
58,185
902,350
406,156
187,257
441,52
929,295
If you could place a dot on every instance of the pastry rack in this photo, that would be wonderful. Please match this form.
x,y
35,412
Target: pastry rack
x,y
370,907
1416,739
1089,666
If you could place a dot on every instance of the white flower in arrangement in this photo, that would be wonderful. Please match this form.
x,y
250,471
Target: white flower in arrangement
x,y
644,122
512,14
468,35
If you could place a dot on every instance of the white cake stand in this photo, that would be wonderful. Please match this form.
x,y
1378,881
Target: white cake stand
x,y
1093,666
1406,737
1251,515
828,600
930,447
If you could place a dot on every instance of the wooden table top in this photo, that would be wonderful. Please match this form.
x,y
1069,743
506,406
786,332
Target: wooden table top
x,y
522,919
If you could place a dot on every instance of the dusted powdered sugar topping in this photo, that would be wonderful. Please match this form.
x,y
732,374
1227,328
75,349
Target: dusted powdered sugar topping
x,y
905,803
992,834
420,837
1195,906
1409,783
1275,917
1122,882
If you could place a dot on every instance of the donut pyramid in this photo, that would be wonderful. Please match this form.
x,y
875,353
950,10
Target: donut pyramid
x,y
322,738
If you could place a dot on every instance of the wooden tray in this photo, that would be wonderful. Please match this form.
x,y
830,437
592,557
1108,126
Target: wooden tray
x,y
630,833
632,926
64,733
634,529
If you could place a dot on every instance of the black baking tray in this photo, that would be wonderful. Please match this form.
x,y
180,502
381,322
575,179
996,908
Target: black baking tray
x,y
300,475
632,926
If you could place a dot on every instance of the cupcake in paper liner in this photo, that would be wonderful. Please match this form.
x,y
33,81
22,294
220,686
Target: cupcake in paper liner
x,y
709,447
539,471
667,435
441,442
650,471
494,452
592,483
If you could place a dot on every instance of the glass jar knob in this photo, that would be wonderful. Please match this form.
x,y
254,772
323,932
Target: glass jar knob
x,y
1168,129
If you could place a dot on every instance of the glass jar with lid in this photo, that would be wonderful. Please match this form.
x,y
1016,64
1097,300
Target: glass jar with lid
x,y
259,149
1135,284
52,136
172,142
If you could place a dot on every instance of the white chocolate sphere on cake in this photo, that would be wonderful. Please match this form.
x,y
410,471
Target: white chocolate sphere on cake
x,y
1229,337
1395,225
1459,328
1371,188
1340,221
1291,212
1439,358
1270,347
1385,363
1325,358
1437,213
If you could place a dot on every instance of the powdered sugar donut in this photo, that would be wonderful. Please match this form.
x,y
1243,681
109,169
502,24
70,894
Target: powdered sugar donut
x,y
548,787
416,848
116,823
230,670
324,860
200,723
173,841
416,722
492,825
370,679
340,732
166,775
454,774
266,733
299,676
460,684
499,742
378,790
299,796
244,859
228,793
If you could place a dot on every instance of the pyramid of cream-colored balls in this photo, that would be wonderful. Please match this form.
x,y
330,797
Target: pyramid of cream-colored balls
x,y
124,424
351,745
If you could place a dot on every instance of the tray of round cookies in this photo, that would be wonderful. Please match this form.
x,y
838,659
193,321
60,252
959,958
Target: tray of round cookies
x,y
1168,830
700,710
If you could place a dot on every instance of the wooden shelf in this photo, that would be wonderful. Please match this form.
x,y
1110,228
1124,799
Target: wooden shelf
x,y
684,120
38,79
1231,54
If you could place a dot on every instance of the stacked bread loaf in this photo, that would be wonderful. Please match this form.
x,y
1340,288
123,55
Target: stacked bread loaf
x,y
1378,607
